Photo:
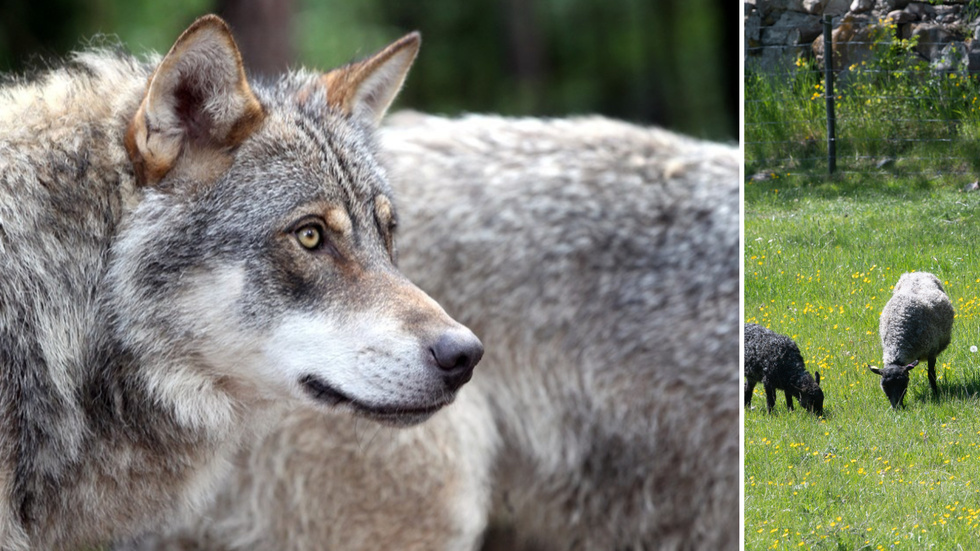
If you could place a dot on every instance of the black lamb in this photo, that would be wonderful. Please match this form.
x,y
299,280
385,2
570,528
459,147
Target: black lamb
x,y
775,360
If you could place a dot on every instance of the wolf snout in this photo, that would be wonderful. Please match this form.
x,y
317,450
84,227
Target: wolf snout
x,y
456,353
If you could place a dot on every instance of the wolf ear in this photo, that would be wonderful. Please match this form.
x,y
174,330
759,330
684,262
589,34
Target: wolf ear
x,y
367,88
197,101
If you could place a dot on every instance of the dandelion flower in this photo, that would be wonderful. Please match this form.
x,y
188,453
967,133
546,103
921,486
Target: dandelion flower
x,y
973,348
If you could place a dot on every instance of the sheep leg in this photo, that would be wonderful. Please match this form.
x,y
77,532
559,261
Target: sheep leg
x,y
770,397
932,377
749,386
789,400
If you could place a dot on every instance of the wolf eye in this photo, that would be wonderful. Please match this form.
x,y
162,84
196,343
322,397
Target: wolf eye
x,y
310,237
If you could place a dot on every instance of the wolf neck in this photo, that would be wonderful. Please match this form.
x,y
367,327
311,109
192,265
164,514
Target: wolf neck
x,y
144,460
96,441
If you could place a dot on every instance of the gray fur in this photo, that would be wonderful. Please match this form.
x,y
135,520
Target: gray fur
x,y
599,262
123,306
916,324
776,362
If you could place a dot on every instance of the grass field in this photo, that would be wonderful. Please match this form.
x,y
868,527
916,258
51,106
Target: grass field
x,y
821,258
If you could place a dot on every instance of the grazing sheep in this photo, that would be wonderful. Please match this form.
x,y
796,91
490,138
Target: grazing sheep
x,y
916,324
775,360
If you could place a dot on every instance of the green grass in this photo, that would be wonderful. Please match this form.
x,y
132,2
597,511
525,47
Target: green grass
x,y
821,258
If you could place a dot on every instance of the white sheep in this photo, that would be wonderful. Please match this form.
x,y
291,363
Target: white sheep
x,y
916,324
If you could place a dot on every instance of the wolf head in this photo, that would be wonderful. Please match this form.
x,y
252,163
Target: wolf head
x,y
260,253
894,381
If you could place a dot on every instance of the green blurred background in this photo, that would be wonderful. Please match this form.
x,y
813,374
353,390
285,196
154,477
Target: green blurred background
x,y
666,62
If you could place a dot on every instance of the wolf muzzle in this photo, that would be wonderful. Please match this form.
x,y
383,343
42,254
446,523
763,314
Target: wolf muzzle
x,y
456,353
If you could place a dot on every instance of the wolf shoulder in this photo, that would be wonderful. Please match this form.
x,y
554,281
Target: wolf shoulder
x,y
60,138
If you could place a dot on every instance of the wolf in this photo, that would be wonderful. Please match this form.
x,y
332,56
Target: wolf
x,y
599,263
185,256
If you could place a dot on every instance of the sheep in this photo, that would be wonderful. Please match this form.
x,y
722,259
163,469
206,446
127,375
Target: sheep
x,y
775,360
916,324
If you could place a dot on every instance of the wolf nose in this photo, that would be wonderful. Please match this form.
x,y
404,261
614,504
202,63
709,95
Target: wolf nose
x,y
457,354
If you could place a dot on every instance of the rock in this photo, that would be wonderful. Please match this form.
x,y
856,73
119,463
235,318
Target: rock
x,y
814,7
887,162
861,6
826,7
837,7
891,5
946,11
852,39
753,27
777,53
900,17
973,56
933,37
952,58
920,11
769,6
789,29
972,187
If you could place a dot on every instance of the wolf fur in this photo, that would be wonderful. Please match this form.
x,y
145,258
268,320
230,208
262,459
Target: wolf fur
x,y
599,262
184,255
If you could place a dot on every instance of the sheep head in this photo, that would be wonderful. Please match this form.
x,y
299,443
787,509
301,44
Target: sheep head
x,y
894,381
811,398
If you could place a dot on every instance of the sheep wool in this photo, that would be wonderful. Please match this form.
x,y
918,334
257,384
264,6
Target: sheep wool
x,y
776,362
916,324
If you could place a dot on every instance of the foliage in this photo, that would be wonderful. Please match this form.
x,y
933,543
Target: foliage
x,y
671,63
971,10
627,59
890,105
821,257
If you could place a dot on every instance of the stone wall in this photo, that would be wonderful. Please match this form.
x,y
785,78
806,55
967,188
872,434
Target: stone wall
x,y
777,32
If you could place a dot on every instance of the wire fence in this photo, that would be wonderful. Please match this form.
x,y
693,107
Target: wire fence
x,y
893,113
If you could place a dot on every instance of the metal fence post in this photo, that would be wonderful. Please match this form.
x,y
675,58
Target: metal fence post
x,y
828,71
